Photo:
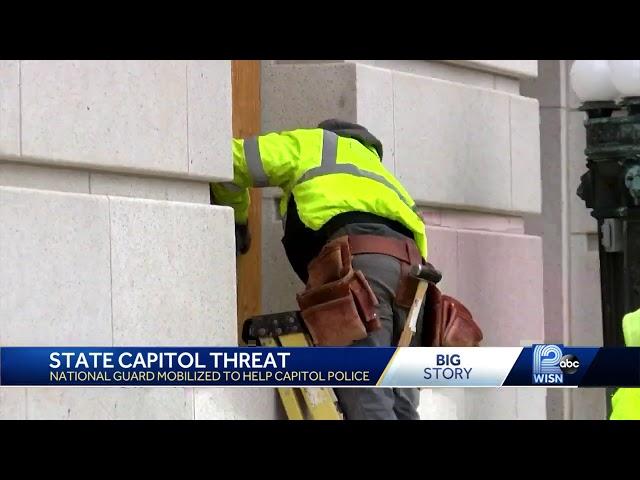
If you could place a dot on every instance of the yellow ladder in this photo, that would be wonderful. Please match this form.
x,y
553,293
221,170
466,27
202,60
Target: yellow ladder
x,y
286,329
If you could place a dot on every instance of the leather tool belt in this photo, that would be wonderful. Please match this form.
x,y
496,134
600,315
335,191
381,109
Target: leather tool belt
x,y
339,307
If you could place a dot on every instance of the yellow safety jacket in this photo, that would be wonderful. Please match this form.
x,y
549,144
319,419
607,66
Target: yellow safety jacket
x,y
626,401
327,175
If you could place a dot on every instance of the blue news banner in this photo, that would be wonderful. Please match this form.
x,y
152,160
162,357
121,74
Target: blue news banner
x,y
538,365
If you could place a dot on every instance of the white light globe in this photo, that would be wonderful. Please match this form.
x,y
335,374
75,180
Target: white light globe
x,y
625,75
591,80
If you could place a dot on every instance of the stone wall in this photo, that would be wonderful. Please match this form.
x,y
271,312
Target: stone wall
x,y
107,237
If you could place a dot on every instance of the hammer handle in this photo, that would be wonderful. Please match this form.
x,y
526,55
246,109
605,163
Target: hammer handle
x,y
412,318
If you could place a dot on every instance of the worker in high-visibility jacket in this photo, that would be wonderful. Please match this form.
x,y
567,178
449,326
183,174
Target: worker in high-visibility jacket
x,y
626,401
334,184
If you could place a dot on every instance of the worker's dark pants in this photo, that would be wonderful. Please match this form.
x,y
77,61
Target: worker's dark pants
x,y
383,274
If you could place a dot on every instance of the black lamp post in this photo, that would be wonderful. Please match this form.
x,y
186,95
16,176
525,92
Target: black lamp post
x,y
611,188
611,185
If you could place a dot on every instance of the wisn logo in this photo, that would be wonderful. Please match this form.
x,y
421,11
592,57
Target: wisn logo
x,y
550,366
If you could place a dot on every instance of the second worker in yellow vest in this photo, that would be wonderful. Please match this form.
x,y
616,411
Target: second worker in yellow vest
x,y
626,401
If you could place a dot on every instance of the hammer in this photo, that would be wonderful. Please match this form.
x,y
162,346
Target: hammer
x,y
425,274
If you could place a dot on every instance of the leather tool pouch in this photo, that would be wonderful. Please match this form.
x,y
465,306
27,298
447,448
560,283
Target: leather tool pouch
x,y
447,322
337,305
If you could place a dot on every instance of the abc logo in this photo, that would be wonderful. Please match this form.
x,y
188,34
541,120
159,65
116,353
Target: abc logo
x,y
569,364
